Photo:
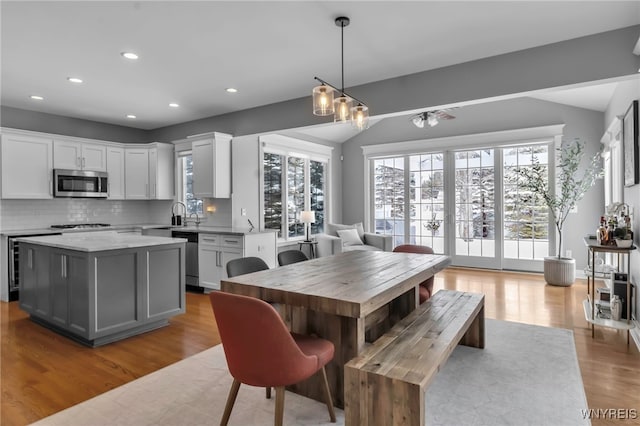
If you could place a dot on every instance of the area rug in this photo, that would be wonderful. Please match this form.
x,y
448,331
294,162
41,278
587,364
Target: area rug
x,y
526,375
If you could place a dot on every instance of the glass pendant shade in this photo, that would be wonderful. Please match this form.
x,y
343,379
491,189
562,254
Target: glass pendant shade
x,y
360,116
322,100
342,107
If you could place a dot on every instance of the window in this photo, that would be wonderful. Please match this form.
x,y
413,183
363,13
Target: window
x,y
185,184
293,182
526,215
458,195
613,164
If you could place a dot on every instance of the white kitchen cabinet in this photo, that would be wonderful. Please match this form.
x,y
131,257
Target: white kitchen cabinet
x,y
161,171
215,250
75,155
115,171
149,172
27,162
212,166
136,173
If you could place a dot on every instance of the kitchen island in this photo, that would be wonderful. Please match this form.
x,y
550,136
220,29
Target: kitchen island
x,y
97,288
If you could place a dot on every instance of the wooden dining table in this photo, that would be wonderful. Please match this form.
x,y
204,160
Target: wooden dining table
x,y
350,299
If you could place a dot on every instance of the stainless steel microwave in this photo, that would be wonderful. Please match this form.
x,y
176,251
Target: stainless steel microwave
x,y
79,183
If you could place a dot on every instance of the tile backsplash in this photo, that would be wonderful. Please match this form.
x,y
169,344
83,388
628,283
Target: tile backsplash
x,y
29,214
34,214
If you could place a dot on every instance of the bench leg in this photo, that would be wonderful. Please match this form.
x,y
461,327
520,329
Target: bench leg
x,y
475,334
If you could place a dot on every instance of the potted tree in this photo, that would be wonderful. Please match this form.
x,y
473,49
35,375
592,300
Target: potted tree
x,y
570,188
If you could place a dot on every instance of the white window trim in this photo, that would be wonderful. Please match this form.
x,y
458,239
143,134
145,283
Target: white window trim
x,y
294,147
613,163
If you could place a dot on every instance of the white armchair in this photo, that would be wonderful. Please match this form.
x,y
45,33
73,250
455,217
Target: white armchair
x,y
331,242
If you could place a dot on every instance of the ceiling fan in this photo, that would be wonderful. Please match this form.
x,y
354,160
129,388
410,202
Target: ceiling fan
x,y
431,117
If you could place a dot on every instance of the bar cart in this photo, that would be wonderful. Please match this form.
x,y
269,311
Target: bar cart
x,y
589,304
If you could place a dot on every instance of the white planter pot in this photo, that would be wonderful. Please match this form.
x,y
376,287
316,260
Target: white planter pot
x,y
559,271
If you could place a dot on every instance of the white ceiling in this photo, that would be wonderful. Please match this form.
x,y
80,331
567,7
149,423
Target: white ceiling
x,y
191,51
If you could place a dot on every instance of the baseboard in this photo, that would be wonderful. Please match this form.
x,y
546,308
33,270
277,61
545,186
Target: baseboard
x,y
635,334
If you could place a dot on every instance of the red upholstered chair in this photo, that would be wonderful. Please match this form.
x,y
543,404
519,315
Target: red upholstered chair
x,y
260,351
426,288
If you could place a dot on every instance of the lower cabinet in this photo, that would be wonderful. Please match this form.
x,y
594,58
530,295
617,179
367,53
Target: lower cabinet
x,y
99,297
215,250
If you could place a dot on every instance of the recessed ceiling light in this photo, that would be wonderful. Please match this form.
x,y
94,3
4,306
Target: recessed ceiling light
x,y
74,79
36,97
131,116
232,90
129,55
174,105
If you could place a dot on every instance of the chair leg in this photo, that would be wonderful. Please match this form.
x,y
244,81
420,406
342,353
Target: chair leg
x,y
231,399
268,389
279,406
332,414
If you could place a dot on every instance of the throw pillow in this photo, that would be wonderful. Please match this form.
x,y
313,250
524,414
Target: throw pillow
x,y
350,237
360,228
333,228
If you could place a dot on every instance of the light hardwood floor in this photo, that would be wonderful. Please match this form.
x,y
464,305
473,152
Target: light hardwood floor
x,y
42,372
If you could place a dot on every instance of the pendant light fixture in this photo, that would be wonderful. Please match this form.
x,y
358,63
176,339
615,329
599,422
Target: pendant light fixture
x,y
341,106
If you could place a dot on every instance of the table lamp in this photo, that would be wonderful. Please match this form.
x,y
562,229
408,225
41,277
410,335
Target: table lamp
x,y
308,217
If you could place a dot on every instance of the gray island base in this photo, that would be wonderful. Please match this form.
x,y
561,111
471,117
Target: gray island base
x,y
99,289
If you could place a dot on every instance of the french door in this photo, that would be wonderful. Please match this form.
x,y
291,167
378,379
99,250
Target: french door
x,y
467,204
476,180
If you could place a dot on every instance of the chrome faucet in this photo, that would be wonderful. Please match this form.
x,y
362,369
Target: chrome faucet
x,y
197,218
184,212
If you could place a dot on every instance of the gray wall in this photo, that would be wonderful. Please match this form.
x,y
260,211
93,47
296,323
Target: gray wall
x,y
49,123
618,106
602,56
495,116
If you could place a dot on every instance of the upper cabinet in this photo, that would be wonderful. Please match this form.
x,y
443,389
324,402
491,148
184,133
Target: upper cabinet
x,y
26,166
75,155
115,171
149,172
212,166
136,174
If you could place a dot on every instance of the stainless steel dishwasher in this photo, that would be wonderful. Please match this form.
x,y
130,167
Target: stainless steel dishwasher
x,y
191,258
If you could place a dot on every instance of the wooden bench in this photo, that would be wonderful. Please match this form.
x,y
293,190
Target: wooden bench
x,y
386,384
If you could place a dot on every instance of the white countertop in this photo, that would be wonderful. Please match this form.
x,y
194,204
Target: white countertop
x,y
189,228
99,241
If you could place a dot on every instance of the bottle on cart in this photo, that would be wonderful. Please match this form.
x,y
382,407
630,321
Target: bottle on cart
x,y
610,236
627,223
601,233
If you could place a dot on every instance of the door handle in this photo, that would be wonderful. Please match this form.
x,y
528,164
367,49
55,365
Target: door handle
x,y
12,266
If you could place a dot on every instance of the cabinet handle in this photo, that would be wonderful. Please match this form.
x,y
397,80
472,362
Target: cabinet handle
x,y
63,272
83,162
218,258
231,241
78,162
30,258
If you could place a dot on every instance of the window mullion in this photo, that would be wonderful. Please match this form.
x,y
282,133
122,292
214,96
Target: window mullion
x,y
284,226
307,184
407,200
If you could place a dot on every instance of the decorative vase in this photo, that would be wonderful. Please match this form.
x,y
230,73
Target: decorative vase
x,y
559,271
616,308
